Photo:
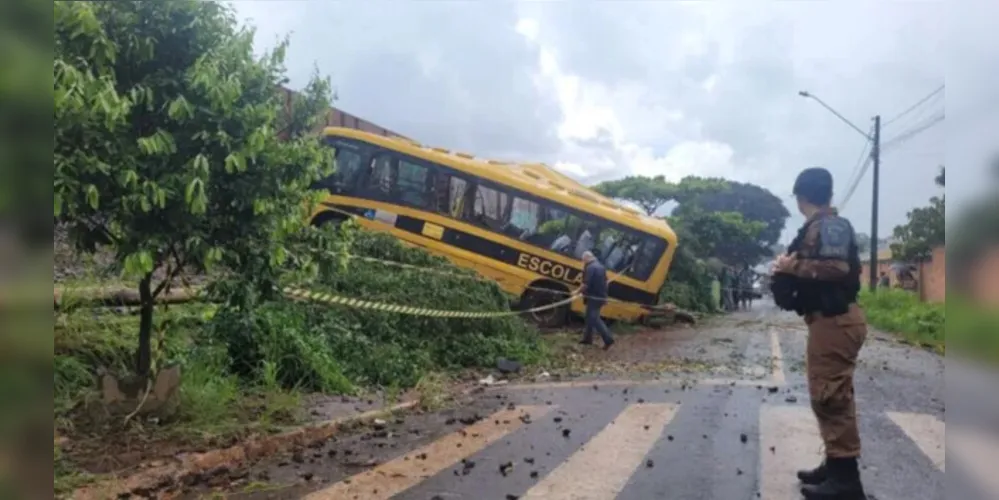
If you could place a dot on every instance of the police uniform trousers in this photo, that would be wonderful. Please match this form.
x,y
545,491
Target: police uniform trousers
x,y
833,346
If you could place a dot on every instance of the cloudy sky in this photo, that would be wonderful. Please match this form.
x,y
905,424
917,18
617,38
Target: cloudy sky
x,y
605,89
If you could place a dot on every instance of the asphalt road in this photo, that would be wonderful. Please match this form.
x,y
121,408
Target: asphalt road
x,y
737,431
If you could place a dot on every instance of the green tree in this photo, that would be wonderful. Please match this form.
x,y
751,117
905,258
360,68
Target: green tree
x,y
924,229
167,147
727,236
736,222
754,202
652,193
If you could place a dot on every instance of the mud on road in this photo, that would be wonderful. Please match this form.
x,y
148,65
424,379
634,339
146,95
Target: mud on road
x,y
718,347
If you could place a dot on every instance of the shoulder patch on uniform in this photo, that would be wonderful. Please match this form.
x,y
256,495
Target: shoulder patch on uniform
x,y
835,237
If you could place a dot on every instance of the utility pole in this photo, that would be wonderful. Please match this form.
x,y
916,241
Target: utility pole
x,y
875,139
876,160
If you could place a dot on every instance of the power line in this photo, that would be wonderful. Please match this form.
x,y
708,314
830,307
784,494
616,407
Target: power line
x,y
856,168
916,105
853,187
914,131
895,141
930,109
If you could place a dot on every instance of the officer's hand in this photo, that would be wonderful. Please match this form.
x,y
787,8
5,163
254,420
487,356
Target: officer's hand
x,y
785,263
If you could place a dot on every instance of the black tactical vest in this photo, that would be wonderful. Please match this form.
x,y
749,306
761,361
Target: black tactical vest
x,y
803,296
783,286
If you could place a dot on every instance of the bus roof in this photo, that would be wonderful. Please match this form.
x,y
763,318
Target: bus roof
x,y
535,178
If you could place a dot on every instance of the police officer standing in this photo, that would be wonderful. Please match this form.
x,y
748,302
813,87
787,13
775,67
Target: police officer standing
x,y
823,269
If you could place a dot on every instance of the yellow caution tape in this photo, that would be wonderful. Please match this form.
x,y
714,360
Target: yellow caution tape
x,y
329,298
479,278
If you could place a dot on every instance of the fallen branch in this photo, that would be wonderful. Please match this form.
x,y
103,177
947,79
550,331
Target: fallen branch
x,y
120,296
669,313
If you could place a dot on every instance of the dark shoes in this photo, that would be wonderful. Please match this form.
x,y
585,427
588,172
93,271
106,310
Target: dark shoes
x,y
835,479
590,342
814,476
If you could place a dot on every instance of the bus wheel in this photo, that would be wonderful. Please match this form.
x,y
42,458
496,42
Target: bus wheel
x,y
324,218
549,318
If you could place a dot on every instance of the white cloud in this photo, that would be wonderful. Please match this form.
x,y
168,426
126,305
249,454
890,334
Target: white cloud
x,y
607,89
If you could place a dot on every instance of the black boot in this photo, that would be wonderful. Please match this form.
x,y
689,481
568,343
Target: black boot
x,y
814,476
842,482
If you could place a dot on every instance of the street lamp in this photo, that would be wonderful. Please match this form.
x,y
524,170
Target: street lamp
x,y
807,95
875,139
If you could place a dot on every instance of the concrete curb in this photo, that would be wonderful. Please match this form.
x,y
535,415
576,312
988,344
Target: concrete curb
x,y
161,474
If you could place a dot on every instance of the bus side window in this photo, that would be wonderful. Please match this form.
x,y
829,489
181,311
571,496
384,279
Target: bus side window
x,y
587,240
575,236
490,209
550,227
382,174
523,219
649,251
449,195
615,249
411,184
346,171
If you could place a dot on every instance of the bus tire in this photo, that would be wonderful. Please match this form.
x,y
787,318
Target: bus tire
x,y
551,318
327,218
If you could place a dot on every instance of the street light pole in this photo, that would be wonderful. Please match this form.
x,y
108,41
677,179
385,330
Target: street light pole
x,y
803,93
876,159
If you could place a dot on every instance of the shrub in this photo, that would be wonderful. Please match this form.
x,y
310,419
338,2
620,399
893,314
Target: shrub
x,y
901,312
332,348
689,283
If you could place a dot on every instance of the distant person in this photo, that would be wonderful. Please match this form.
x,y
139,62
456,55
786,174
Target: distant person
x,y
594,291
746,287
728,284
824,271
885,281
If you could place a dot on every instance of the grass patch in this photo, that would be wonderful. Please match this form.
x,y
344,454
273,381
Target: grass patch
x,y
902,313
433,391
959,326
211,408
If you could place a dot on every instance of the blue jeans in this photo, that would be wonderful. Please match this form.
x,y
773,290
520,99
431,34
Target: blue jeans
x,y
593,321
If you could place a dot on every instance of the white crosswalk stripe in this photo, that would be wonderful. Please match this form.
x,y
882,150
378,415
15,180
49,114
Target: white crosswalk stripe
x,y
391,478
601,468
605,465
790,440
926,431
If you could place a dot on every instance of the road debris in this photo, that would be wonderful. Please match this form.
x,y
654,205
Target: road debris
x,y
505,468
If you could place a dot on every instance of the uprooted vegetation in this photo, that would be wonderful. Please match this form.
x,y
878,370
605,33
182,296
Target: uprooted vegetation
x,y
244,366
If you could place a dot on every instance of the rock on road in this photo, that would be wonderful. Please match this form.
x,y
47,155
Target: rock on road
x,y
731,434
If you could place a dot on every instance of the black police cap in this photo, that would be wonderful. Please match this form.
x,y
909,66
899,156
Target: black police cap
x,y
813,180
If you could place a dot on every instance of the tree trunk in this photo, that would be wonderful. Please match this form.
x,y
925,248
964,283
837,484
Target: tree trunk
x,y
143,355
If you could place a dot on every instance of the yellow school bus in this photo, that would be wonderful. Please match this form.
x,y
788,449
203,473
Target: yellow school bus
x,y
523,225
